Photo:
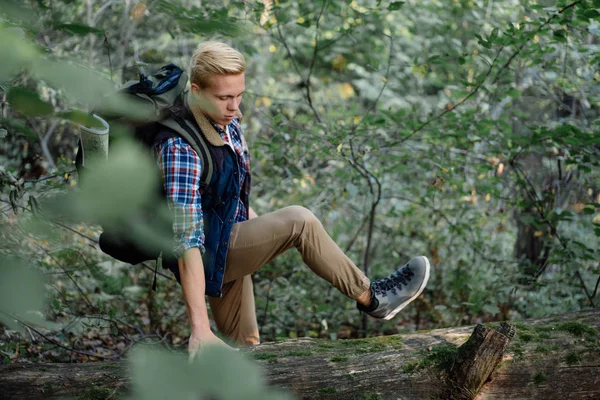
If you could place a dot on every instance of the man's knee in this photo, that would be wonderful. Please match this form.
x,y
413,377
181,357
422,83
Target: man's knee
x,y
302,215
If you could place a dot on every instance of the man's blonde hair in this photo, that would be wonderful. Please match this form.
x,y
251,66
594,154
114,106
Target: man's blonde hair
x,y
215,58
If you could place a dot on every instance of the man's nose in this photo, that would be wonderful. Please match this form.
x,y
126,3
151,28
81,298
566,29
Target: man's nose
x,y
234,104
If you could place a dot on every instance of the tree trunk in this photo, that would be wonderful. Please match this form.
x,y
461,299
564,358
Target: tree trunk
x,y
551,358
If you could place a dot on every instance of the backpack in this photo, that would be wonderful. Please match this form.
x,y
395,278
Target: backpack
x,y
162,94
159,93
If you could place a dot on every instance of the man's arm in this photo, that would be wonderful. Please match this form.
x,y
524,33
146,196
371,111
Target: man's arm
x,y
181,169
191,272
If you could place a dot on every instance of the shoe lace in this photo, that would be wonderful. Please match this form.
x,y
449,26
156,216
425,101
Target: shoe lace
x,y
393,282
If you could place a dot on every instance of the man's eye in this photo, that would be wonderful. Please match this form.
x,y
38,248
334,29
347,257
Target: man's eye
x,y
222,98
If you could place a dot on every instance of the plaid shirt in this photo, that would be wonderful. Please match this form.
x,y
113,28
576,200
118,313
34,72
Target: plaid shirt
x,y
181,169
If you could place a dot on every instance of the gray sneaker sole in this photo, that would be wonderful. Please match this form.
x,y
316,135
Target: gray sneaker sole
x,y
421,288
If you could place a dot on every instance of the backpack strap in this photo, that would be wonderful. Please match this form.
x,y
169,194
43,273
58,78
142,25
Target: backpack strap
x,y
194,138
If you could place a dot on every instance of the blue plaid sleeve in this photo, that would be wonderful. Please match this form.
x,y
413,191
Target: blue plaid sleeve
x,y
181,170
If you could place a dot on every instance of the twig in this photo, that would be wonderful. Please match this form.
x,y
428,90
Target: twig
x,y
353,240
100,11
112,320
288,51
74,231
305,82
313,60
596,288
590,298
44,141
109,60
68,275
31,335
143,264
85,353
45,178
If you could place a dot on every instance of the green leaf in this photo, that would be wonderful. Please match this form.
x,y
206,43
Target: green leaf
x,y
322,307
559,36
396,5
514,93
86,86
159,374
17,52
79,29
436,59
17,11
114,193
28,102
21,293
592,14
482,41
589,211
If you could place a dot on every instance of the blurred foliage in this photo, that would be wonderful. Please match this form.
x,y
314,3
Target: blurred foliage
x,y
463,130
159,375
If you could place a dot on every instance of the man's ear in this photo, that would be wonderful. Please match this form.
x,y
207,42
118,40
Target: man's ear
x,y
195,89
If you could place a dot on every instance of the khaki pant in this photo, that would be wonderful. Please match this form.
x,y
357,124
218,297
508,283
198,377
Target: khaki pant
x,y
254,243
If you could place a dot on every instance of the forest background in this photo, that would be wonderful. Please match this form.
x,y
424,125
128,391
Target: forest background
x,y
463,130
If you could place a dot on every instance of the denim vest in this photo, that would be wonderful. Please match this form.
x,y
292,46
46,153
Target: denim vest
x,y
219,203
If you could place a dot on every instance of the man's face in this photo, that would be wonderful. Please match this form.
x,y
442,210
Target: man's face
x,y
221,99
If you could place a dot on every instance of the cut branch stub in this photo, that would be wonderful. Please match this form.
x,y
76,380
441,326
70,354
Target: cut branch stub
x,y
476,360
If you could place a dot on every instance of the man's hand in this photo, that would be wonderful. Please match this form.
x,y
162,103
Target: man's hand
x,y
252,213
199,340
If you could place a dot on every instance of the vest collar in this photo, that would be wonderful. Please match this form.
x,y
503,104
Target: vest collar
x,y
207,128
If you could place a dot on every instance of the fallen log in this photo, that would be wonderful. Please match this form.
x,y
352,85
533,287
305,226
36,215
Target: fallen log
x,y
553,358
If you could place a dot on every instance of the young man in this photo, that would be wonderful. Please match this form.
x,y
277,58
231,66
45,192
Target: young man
x,y
220,241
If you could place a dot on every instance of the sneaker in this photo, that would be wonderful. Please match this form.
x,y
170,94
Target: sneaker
x,y
392,294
